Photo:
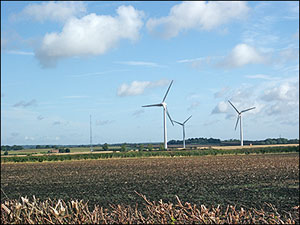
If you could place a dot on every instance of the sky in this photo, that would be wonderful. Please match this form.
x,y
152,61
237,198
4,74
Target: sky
x,y
64,61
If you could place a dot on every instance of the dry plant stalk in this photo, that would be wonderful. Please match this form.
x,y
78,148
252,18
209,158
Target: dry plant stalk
x,y
77,212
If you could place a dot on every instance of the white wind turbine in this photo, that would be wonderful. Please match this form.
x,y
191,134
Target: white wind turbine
x,y
183,130
164,105
239,118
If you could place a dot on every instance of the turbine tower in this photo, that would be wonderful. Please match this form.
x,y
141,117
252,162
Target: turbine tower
x,y
165,113
183,130
91,148
239,118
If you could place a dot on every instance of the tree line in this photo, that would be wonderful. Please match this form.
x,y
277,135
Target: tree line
x,y
214,141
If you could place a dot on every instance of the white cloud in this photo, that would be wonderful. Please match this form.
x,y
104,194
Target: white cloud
x,y
197,62
243,54
91,35
222,107
138,87
19,52
288,92
56,11
139,63
261,76
197,14
275,100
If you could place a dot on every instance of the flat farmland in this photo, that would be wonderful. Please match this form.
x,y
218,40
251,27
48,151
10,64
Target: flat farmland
x,y
242,180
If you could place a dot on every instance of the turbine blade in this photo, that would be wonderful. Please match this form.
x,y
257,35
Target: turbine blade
x,y
247,109
178,122
187,120
234,107
169,117
237,121
152,105
167,91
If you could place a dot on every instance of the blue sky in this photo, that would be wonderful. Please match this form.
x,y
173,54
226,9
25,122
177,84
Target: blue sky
x,y
64,61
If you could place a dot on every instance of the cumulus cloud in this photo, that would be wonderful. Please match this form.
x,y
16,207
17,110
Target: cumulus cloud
x,y
222,107
243,54
55,11
196,15
138,87
90,35
288,91
25,104
276,99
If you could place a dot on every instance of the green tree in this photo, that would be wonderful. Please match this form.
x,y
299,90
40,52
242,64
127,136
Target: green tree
x,y
150,147
123,147
37,147
141,147
6,153
105,147
161,147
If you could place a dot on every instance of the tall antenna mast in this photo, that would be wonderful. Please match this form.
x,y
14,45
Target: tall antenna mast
x,y
91,148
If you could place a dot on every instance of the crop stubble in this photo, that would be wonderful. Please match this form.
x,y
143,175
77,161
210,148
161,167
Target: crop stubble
x,y
243,180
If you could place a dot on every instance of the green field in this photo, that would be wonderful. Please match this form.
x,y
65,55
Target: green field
x,y
140,154
45,150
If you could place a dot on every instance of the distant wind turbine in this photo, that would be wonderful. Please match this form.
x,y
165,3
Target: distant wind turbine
x,y
239,118
183,130
164,105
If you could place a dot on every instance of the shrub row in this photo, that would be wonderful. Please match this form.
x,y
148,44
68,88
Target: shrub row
x,y
138,154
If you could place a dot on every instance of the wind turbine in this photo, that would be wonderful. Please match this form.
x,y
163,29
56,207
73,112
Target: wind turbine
x,y
182,124
164,105
240,118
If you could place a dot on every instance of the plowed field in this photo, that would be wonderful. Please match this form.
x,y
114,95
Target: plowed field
x,y
242,180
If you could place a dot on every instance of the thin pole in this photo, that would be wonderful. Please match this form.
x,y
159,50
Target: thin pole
x,y
241,130
91,149
165,129
183,136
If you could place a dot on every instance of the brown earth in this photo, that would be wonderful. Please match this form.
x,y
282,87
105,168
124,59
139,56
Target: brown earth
x,y
242,180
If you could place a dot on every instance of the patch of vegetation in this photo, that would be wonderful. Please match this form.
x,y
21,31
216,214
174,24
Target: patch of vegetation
x,y
138,154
